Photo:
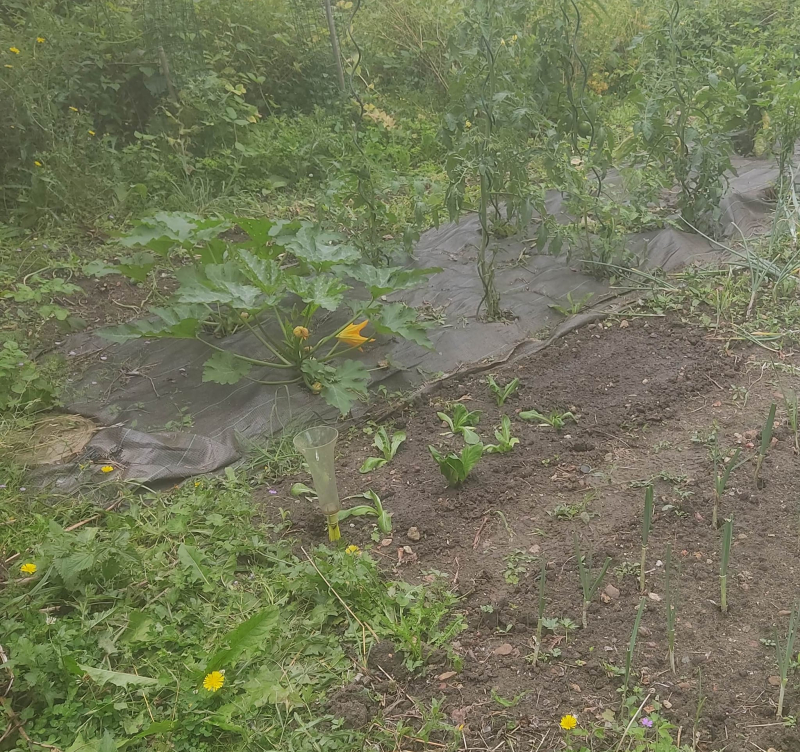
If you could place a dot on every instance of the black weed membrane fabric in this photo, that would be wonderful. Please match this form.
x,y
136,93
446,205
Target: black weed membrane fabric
x,y
162,423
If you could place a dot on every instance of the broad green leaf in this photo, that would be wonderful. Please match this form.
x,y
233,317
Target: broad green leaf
x,y
192,560
362,510
249,635
349,383
398,318
301,489
324,291
178,322
103,677
225,368
264,273
470,456
221,284
372,463
257,229
165,230
384,280
107,743
265,688
321,249
470,437
398,437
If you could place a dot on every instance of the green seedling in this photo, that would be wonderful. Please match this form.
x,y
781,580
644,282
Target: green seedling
x,y
387,446
462,421
670,601
555,625
631,647
722,473
502,393
517,566
301,489
376,509
701,701
504,702
577,509
505,441
785,656
456,467
589,584
647,521
555,419
766,439
539,624
727,539
575,306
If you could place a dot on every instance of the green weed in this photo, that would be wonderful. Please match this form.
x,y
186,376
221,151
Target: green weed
x,y
462,422
502,393
387,445
456,467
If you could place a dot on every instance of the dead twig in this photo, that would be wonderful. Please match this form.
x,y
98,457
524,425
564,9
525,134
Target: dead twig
x,y
478,533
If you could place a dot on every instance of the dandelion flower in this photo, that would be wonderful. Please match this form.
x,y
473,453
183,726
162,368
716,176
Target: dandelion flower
x,y
569,722
29,568
351,335
647,722
37,163
214,681
14,50
300,332
40,40
74,109
107,469
8,66
352,550
92,133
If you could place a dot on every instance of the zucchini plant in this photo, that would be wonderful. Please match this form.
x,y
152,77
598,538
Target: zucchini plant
x,y
281,281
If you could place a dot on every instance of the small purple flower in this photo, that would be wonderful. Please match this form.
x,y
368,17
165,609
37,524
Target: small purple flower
x,y
272,491
647,722
2,485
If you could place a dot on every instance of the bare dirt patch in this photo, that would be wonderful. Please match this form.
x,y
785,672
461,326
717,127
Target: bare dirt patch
x,y
646,392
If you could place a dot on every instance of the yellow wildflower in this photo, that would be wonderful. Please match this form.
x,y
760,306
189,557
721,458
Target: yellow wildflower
x,y
92,133
29,568
74,109
502,42
569,722
467,125
351,335
14,50
352,550
514,38
37,163
8,66
40,40
316,387
107,469
300,332
214,681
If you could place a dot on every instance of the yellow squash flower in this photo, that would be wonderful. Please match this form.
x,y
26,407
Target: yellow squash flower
x,y
214,681
351,335
29,568
352,550
14,50
569,722
107,469
316,387
300,332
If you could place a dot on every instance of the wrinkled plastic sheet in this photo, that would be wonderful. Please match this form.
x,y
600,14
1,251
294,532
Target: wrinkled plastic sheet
x,y
166,424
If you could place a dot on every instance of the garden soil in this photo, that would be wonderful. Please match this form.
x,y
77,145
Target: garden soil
x,y
162,423
646,393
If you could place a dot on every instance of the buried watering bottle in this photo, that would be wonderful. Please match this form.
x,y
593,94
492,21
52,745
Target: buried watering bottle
x,y
317,446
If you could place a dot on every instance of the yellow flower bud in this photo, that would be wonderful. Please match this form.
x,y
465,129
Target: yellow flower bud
x,y
300,332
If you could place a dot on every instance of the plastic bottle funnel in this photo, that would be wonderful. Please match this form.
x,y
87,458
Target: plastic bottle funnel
x,y
317,447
